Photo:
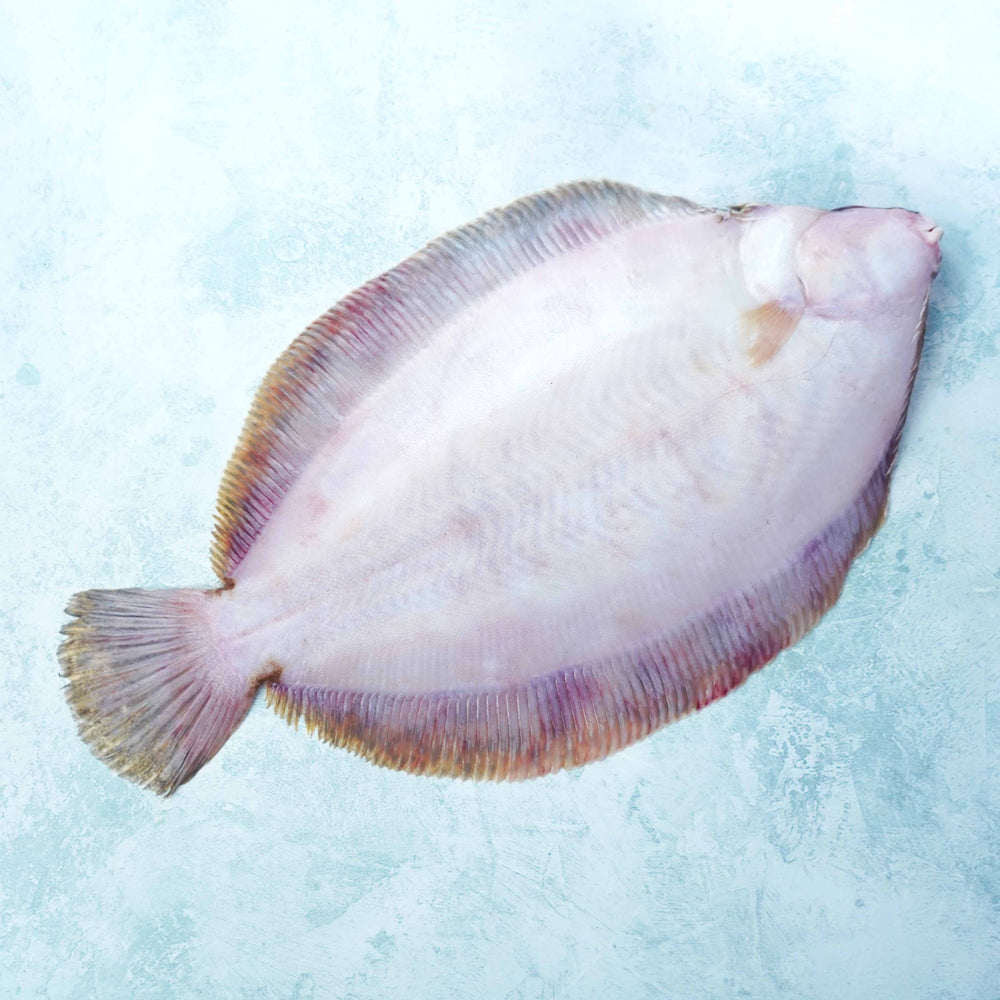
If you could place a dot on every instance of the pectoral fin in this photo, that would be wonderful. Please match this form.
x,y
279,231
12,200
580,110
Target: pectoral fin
x,y
766,328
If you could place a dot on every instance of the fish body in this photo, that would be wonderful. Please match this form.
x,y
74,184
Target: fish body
x,y
567,474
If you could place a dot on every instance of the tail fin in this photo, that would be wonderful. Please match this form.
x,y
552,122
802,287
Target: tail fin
x,y
150,698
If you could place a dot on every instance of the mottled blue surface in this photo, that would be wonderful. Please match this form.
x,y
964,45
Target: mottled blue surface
x,y
185,186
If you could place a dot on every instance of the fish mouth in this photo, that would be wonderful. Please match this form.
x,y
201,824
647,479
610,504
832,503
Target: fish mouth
x,y
930,232
933,238
927,228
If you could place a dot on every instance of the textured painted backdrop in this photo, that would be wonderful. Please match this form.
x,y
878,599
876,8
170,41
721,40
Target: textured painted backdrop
x,y
184,187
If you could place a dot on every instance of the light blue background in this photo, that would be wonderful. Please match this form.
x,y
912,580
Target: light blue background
x,y
184,187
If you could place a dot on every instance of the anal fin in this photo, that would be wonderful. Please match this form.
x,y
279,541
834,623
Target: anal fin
x,y
582,713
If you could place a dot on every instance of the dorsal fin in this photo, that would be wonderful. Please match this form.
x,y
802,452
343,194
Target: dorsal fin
x,y
349,350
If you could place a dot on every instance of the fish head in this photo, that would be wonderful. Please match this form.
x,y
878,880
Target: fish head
x,y
840,264
855,261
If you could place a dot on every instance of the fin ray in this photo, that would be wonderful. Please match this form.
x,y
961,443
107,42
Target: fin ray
x,y
144,685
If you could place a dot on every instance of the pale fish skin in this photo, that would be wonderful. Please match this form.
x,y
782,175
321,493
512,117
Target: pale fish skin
x,y
563,476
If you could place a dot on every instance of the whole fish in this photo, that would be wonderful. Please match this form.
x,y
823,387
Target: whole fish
x,y
568,473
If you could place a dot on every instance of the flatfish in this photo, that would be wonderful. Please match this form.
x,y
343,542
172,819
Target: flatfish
x,y
565,475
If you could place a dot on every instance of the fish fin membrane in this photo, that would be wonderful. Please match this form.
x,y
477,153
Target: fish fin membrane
x,y
346,353
144,683
580,714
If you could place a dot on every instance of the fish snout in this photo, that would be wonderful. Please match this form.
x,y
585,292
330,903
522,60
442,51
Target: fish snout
x,y
930,232
856,260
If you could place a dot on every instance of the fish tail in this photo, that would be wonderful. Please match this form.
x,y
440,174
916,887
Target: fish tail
x,y
153,697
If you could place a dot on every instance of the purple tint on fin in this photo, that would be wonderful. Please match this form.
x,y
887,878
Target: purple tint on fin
x,y
583,713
